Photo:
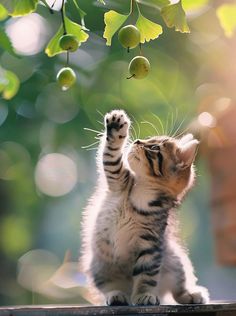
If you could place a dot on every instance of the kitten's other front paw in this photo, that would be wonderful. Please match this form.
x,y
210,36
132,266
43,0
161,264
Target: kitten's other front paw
x,y
116,298
145,299
117,124
200,295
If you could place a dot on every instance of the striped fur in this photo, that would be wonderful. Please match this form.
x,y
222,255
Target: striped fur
x,y
130,250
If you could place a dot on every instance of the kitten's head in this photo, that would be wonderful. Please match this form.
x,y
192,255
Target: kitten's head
x,y
165,160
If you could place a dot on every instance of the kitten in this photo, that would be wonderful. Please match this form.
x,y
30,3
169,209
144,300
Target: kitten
x,y
130,249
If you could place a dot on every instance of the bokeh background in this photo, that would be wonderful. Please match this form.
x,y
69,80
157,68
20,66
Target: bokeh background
x,y
47,166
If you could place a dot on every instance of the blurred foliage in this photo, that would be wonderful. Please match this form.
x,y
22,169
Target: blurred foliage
x,y
39,120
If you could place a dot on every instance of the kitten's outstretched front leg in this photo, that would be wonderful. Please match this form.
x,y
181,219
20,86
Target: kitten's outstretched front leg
x,y
117,125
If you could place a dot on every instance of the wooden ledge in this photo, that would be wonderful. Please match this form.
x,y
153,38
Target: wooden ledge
x,y
216,308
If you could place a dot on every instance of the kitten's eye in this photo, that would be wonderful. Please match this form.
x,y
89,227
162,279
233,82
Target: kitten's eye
x,y
155,147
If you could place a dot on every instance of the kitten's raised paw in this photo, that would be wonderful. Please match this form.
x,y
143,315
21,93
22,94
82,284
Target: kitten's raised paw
x,y
145,299
117,124
116,298
199,295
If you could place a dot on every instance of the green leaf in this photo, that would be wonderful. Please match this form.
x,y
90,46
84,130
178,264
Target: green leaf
x,y
113,21
102,1
5,42
20,7
189,5
148,29
3,13
154,3
53,47
226,14
9,84
174,16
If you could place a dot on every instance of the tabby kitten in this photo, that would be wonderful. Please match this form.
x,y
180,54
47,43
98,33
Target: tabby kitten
x,y
130,249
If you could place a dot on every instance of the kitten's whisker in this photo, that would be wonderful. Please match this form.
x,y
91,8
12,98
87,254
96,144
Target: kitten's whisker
x,y
100,122
172,124
85,147
99,112
183,132
137,123
132,135
135,133
167,124
160,122
180,125
92,130
176,119
152,125
94,148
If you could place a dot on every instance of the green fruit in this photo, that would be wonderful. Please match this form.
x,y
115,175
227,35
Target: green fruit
x,y
66,77
129,36
139,67
68,42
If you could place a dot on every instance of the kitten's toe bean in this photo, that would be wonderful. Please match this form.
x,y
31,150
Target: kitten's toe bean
x,y
117,124
116,298
146,299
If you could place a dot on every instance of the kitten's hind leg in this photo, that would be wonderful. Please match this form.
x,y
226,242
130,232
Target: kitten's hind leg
x,y
178,272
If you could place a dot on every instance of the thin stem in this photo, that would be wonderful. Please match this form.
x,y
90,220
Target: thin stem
x,y
139,12
140,49
67,58
63,16
131,6
53,4
131,76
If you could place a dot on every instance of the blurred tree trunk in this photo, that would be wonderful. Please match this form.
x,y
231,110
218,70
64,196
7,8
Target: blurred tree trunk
x,y
219,145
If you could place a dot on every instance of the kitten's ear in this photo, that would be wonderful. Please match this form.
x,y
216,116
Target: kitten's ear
x,y
187,152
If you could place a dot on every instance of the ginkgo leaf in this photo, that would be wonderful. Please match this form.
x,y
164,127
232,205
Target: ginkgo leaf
x,y
154,3
174,16
3,13
189,5
113,21
5,42
148,29
20,7
53,48
226,14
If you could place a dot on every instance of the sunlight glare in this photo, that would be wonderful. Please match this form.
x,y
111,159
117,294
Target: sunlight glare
x,y
206,119
28,34
56,174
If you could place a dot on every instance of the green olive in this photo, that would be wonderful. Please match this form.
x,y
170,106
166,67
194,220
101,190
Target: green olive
x,y
139,67
68,42
129,36
66,77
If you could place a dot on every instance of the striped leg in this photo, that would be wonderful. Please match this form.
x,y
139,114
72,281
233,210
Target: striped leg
x,y
117,125
179,274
